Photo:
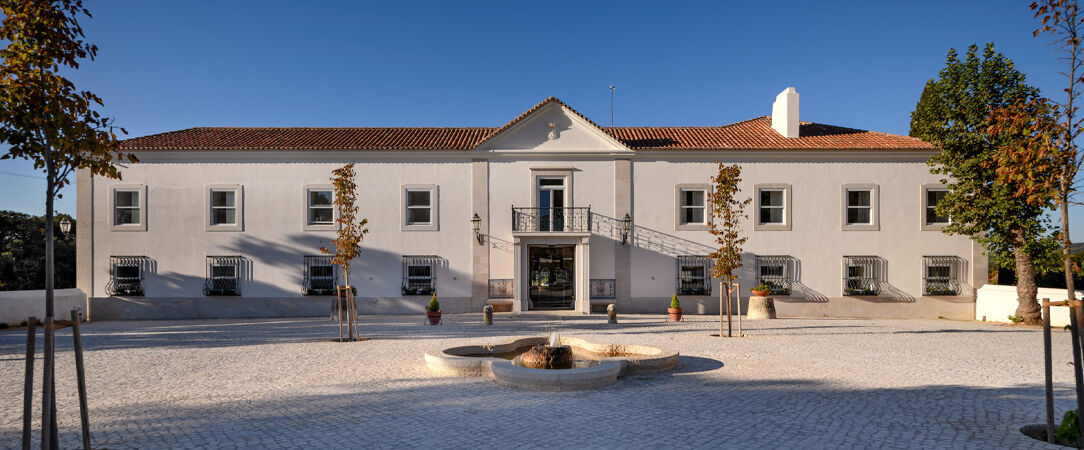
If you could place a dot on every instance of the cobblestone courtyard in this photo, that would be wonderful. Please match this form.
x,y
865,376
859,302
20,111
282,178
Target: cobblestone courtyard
x,y
794,383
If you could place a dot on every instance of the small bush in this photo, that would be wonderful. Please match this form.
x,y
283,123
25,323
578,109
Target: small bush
x,y
1068,431
674,303
1015,319
762,287
434,305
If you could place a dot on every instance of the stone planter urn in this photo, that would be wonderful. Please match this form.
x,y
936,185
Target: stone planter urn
x,y
433,316
761,307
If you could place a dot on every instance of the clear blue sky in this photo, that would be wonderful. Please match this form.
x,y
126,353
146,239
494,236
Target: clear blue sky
x,y
171,65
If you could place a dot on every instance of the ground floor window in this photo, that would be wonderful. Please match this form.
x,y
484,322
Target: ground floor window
x,y
501,288
694,276
862,275
319,276
126,275
603,289
420,275
223,275
777,271
940,274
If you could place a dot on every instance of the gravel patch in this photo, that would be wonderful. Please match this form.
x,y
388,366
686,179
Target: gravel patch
x,y
789,383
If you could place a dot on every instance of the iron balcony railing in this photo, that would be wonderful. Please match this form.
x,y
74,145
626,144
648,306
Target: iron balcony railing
x,y
571,219
126,275
941,274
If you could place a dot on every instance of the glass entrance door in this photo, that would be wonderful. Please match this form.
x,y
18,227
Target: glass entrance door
x,y
552,275
551,204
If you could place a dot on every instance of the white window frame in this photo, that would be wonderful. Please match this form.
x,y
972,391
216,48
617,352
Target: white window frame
x,y
238,205
924,215
141,189
434,208
679,208
309,226
874,207
758,224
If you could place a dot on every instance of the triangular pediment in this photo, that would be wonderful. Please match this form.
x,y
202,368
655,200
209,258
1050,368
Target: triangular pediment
x,y
551,126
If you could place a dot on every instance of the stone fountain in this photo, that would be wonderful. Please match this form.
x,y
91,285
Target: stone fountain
x,y
551,355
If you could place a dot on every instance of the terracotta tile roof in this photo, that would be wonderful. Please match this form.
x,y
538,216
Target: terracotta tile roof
x,y
314,138
756,134
753,134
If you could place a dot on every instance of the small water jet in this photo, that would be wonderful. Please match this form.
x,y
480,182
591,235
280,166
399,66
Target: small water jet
x,y
551,355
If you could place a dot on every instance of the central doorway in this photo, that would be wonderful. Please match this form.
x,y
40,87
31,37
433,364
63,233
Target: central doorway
x,y
552,272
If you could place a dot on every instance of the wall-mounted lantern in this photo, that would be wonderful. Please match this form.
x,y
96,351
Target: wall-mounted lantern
x,y
626,225
476,223
65,225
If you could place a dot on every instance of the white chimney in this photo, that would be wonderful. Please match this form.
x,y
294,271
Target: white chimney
x,y
785,113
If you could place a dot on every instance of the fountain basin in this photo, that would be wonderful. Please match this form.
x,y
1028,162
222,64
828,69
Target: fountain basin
x,y
492,361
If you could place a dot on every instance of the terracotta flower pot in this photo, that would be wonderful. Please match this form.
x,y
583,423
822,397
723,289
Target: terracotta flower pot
x,y
762,293
433,316
675,314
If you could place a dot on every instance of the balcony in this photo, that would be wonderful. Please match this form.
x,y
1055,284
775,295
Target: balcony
x,y
551,220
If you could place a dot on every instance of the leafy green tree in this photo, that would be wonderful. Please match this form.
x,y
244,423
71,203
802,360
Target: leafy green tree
x,y
727,212
22,252
953,114
45,119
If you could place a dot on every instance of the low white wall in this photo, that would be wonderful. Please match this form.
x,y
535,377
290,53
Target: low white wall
x,y
996,303
17,306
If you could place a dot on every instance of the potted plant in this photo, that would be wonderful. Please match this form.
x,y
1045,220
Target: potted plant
x,y
674,309
432,311
762,290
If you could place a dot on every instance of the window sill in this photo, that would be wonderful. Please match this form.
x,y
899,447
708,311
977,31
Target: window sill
x,y
692,227
128,227
772,227
934,226
861,227
421,227
320,227
224,228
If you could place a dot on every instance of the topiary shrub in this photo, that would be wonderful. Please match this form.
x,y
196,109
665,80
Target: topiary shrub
x,y
674,303
434,305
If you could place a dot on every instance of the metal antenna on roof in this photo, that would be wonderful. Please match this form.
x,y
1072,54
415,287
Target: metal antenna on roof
x,y
612,87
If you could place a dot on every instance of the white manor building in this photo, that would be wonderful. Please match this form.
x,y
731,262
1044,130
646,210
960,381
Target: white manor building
x,y
228,222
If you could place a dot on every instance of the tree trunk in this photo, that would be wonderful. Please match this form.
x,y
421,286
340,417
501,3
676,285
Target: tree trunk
x,y
1066,243
1028,310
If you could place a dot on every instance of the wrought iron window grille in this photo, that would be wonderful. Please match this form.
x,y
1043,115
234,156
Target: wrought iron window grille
x,y
940,275
319,276
420,274
126,275
565,219
863,275
777,271
223,275
693,275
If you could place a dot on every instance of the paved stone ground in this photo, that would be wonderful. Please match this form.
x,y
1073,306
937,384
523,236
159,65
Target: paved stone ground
x,y
794,383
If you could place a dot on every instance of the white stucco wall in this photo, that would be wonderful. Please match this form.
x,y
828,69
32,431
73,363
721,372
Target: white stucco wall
x,y
17,306
995,303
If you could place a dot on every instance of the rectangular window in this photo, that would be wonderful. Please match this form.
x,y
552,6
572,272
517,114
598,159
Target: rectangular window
x,y
940,274
778,272
420,275
859,207
126,207
694,276
319,276
603,289
862,275
321,210
933,197
223,207
126,275
771,206
419,207
692,206
223,275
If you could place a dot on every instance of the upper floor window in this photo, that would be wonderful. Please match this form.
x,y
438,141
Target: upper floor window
x,y
321,211
932,194
692,206
420,275
420,207
225,208
129,208
860,207
772,207
126,275
694,276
